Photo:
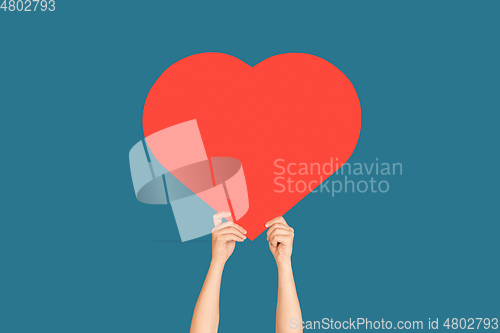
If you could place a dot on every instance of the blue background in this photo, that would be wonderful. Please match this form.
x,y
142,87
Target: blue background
x,y
79,253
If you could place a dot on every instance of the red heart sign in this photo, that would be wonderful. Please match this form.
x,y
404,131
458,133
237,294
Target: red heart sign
x,y
292,120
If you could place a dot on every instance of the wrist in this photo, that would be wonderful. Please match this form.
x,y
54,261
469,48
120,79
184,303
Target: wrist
x,y
217,265
284,265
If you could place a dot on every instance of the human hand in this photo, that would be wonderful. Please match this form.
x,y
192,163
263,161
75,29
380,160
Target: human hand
x,y
224,238
280,238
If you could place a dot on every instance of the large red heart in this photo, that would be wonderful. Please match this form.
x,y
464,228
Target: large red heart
x,y
289,108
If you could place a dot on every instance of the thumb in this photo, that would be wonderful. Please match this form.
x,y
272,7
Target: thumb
x,y
219,216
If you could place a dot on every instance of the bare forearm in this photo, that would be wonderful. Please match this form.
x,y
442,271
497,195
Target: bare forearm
x,y
288,302
206,311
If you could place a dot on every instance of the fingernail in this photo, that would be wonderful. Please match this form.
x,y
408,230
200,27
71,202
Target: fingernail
x,y
245,232
266,225
244,237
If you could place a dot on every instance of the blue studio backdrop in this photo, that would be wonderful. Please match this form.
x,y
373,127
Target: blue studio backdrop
x,y
79,253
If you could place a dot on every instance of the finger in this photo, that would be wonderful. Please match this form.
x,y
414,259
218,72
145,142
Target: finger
x,y
280,239
278,225
233,231
278,219
232,237
219,216
279,231
228,225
